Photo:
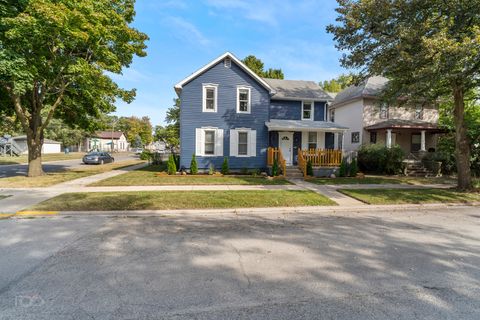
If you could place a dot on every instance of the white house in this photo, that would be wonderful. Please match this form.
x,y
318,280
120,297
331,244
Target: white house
x,y
102,141
414,127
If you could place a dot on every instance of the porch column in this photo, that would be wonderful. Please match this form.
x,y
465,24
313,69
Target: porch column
x,y
343,141
422,141
389,138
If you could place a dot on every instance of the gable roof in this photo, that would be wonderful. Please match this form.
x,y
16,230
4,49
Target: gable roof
x,y
297,90
369,88
178,87
108,134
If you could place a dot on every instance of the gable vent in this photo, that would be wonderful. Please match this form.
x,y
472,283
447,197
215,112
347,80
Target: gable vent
x,y
227,62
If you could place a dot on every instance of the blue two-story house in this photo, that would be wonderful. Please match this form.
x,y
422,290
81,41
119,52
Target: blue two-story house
x,y
229,111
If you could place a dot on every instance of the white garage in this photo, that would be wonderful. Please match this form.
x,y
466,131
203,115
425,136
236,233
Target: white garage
x,y
49,146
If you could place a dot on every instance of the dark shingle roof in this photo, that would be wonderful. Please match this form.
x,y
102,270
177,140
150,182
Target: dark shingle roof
x,y
297,89
369,88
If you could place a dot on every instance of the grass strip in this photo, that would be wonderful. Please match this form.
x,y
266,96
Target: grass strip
x,y
148,176
53,178
169,200
410,196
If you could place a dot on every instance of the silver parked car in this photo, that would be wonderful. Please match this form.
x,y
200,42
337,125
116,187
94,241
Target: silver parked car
x,y
97,158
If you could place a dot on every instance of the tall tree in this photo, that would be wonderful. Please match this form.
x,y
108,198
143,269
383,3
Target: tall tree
x,y
170,134
337,84
68,136
55,56
257,66
427,48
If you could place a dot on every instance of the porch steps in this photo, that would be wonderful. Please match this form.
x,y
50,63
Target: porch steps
x,y
294,172
415,168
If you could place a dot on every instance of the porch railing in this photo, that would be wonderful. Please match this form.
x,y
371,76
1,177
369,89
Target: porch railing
x,y
321,157
302,162
276,153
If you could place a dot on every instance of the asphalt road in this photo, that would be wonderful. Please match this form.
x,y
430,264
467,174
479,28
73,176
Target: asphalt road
x,y
395,265
21,169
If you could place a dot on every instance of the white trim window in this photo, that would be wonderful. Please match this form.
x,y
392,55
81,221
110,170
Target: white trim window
x,y
307,110
332,115
210,94
312,140
243,99
208,142
243,142
418,112
384,110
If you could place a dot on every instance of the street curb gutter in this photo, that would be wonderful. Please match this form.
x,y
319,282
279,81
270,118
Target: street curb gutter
x,y
274,210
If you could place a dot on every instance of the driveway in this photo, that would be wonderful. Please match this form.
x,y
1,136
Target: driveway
x,y
21,169
402,265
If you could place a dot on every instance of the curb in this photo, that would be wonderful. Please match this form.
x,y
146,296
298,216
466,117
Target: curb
x,y
275,210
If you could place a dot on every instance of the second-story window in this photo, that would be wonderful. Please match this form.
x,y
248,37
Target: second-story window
x,y
418,112
243,100
384,111
332,115
209,98
307,110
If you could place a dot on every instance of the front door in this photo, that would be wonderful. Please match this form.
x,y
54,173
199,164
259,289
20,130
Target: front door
x,y
416,142
286,145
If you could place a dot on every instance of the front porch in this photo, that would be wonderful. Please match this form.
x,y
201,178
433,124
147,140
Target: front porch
x,y
413,137
315,138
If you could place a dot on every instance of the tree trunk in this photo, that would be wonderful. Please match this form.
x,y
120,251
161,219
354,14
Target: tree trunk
x,y
34,156
462,147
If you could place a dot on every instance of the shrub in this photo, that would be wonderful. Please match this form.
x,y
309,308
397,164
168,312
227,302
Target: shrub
x,y
379,159
193,165
309,168
176,158
244,171
211,169
353,167
156,158
275,168
146,155
225,168
171,166
343,171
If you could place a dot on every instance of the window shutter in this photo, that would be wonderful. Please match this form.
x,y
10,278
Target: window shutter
x,y
199,144
233,143
219,142
252,143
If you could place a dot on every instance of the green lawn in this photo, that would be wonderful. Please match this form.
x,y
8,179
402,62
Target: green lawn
x,y
148,177
45,158
410,196
53,178
169,200
366,180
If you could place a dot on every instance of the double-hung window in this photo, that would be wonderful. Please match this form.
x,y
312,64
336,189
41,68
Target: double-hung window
x,y
384,111
418,112
243,100
243,143
210,98
312,140
307,110
332,115
209,142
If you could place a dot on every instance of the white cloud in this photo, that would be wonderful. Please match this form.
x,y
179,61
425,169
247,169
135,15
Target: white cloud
x,y
186,31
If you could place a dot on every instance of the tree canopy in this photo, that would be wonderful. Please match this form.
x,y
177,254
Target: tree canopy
x,y
337,84
257,66
55,56
427,48
170,134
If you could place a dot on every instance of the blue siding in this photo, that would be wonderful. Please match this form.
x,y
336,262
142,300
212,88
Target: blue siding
x,y
319,111
286,110
226,118
292,110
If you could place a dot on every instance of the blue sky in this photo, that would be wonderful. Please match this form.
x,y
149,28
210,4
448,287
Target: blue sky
x,y
185,35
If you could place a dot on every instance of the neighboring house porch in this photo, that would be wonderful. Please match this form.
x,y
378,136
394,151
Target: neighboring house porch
x,y
413,136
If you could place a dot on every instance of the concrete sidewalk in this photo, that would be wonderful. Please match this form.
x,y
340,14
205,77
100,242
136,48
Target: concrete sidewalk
x,y
329,192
